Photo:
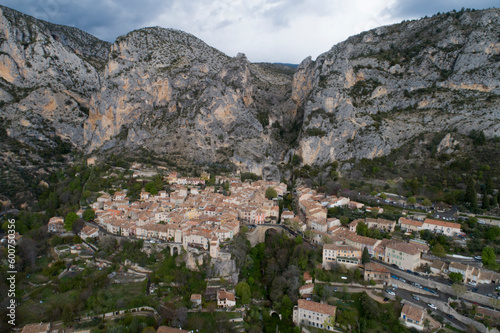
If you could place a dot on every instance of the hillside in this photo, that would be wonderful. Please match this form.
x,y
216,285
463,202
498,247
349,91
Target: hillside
x,y
381,89
165,93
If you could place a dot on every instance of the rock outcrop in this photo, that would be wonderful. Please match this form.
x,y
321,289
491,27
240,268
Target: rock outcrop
x,y
377,90
168,92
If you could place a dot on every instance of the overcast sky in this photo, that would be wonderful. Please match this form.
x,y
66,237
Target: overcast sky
x,y
270,31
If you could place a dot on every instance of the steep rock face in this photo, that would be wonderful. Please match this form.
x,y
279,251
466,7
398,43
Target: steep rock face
x,y
45,85
168,91
46,79
375,91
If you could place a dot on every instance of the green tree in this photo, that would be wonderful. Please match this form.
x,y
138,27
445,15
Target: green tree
x,y
411,201
485,203
471,194
458,288
427,202
492,233
68,221
456,277
383,196
488,256
362,229
271,193
243,291
296,160
298,240
344,220
325,239
56,240
86,194
472,222
438,250
151,188
366,256
494,202
286,307
478,137
88,214
488,185
68,316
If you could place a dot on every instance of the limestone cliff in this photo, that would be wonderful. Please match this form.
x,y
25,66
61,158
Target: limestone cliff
x,y
47,76
166,91
170,92
377,90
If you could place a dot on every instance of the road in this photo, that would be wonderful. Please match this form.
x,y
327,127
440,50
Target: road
x,y
482,289
408,297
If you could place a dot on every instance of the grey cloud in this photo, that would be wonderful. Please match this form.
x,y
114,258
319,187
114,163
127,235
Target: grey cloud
x,y
266,30
420,8
105,19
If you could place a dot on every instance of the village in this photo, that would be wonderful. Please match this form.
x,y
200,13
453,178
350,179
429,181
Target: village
x,y
194,216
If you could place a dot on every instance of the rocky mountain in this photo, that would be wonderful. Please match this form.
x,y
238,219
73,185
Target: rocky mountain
x,y
65,92
168,91
377,90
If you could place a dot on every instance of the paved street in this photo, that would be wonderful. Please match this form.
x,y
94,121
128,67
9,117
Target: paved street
x,y
408,297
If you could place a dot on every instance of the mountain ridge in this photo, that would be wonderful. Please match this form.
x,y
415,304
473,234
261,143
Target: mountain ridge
x,y
168,92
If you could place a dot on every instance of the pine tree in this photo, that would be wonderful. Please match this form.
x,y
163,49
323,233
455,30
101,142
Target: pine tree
x,y
488,185
365,256
486,201
494,202
471,195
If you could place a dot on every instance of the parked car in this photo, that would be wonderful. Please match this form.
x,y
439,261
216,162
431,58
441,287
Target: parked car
x,y
390,292
497,288
415,297
402,280
416,273
409,271
429,290
394,277
451,316
474,290
478,258
432,306
386,299
472,283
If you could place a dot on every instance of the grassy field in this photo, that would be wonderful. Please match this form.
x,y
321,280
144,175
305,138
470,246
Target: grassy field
x,y
210,322
46,303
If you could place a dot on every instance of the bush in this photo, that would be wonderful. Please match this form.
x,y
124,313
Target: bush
x,y
315,132
271,193
88,214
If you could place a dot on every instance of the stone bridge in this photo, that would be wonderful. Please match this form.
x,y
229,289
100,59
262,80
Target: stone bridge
x,y
175,248
258,235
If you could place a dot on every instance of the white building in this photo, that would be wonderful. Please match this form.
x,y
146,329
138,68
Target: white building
x,y
314,314
225,299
